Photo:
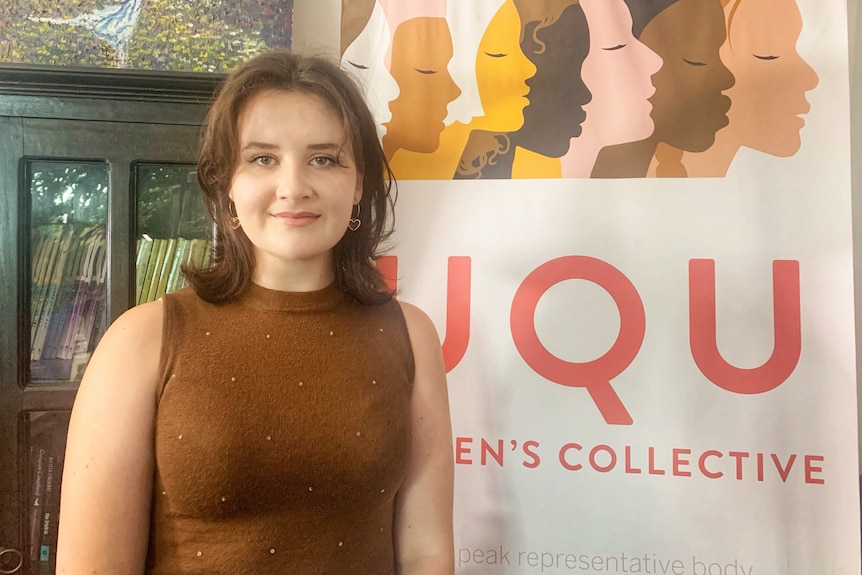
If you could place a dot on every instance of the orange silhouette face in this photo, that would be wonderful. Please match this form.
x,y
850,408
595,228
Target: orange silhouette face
x,y
421,50
688,104
502,71
771,76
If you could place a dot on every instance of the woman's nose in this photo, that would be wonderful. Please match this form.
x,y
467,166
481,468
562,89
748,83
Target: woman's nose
x,y
291,181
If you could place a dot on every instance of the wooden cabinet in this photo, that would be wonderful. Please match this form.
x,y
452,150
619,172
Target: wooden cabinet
x,y
93,164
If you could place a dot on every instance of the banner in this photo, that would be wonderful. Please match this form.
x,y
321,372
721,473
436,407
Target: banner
x,y
630,221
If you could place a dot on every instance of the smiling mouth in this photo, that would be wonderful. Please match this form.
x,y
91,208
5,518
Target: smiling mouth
x,y
298,219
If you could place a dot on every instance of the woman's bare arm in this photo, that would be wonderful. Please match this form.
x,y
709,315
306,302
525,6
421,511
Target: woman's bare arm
x,y
423,515
108,470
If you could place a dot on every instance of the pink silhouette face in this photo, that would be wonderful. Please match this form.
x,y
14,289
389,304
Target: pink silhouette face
x,y
617,72
771,76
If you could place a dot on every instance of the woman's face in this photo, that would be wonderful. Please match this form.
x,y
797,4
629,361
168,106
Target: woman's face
x,y
421,50
364,58
502,71
295,180
618,72
557,92
688,104
771,76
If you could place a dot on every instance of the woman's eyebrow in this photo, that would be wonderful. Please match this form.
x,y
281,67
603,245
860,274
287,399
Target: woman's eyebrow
x,y
259,146
324,146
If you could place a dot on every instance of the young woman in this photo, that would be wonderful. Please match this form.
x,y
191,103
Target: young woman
x,y
283,414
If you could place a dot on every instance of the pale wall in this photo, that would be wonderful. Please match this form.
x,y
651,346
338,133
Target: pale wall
x,y
316,26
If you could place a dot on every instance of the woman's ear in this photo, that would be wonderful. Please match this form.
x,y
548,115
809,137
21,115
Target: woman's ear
x,y
357,193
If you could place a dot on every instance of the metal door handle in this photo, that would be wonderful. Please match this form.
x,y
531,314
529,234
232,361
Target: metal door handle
x,y
11,560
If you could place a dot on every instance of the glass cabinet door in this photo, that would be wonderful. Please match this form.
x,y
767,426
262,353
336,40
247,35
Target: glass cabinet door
x,y
67,249
172,228
68,252
88,191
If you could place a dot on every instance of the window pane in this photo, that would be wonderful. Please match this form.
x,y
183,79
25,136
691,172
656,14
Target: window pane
x,y
68,265
173,228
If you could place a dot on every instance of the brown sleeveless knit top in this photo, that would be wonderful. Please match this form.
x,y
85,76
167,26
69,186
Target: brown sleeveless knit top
x,y
282,434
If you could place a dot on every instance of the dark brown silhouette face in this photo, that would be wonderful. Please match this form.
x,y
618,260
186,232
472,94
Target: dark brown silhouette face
x,y
557,92
688,104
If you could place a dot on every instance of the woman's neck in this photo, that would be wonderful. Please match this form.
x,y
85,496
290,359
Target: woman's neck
x,y
715,161
578,162
295,275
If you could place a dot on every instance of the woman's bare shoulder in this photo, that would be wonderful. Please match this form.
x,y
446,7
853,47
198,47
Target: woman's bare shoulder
x,y
419,325
130,349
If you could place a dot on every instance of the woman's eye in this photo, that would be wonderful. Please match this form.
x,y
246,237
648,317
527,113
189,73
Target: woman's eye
x,y
322,160
263,160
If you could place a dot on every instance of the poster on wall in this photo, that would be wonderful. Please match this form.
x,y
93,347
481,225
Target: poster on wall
x,y
630,221
198,36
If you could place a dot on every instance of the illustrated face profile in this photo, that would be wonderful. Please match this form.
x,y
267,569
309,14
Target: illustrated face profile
x,y
502,71
557,92
618,72
364,58
421,50
771,76
688,104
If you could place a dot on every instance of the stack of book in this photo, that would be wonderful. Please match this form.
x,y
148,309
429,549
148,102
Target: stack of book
x,y
67,305
159,265
67,296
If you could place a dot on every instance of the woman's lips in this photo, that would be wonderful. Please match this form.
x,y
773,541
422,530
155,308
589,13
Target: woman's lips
x,y
297,219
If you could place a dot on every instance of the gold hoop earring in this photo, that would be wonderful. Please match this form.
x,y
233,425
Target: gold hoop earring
x,y
234,219
354,223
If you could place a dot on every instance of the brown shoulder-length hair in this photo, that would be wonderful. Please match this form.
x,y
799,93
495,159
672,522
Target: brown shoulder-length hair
x,y
354,254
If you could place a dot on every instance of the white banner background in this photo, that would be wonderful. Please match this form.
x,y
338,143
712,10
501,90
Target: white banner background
x,y
543,518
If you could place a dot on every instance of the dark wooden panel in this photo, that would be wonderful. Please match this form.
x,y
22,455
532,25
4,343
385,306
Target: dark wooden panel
x,y
11,149
115,142
100,110
108,84
50,397
120,240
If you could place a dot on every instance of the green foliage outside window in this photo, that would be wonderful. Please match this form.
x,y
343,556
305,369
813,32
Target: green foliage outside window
x,y
67,193
169,202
